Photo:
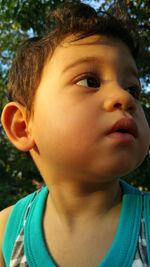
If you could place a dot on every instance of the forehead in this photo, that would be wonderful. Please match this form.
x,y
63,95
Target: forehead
x,y
96,48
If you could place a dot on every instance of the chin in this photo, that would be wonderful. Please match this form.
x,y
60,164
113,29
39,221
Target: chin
x,y
115,170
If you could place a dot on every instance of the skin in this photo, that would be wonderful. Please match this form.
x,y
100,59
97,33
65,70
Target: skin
x,y
67,138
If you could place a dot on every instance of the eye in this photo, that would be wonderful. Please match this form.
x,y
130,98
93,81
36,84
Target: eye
x,y
135,91
88,81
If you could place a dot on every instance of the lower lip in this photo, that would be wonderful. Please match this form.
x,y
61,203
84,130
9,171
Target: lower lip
x,y
122,137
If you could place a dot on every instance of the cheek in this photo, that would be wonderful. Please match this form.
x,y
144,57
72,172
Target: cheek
x,y
145,141
65,135
144,136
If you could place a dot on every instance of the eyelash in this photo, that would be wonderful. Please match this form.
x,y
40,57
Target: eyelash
x,y
136,90
88,76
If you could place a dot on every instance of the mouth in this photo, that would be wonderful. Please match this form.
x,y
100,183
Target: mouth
x,y
124,126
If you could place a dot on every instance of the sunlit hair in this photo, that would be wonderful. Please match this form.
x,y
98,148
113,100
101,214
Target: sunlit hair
x,y
78,19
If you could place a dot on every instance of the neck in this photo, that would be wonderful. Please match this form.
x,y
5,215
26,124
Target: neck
x,y
72,204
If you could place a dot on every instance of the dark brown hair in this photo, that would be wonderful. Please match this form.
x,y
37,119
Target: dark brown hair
x,y
70,18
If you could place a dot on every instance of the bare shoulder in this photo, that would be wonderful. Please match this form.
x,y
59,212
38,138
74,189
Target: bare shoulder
x,y
4,215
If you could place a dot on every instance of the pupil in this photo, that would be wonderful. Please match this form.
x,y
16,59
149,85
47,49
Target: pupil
x,y
92,82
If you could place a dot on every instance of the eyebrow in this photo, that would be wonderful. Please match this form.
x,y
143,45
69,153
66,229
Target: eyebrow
x,y
129,70
83,60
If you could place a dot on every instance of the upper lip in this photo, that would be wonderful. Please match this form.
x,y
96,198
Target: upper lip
x,y
127,124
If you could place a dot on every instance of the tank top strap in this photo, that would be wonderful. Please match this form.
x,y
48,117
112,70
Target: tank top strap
x,y
18,257
15,228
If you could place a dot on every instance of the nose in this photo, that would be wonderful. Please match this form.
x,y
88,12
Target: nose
x,y
119,98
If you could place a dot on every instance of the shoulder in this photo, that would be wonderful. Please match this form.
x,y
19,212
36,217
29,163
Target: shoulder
x,y
12,219
4,215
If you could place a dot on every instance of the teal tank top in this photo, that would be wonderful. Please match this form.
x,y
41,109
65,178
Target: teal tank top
x,y
121,253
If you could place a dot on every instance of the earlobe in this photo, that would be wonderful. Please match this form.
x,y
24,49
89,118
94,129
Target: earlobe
x,y
16,126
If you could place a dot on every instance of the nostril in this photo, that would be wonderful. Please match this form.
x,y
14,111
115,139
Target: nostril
x,y
117,105
131,107
124,103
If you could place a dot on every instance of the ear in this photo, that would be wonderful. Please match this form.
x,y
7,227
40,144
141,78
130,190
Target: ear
x,y
16,126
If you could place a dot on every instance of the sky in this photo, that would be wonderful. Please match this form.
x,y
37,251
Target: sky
x,y
93,3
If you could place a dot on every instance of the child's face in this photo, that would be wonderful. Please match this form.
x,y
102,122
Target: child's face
x,y
86,87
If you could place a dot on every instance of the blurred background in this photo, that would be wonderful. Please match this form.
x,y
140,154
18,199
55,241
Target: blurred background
x,y
20,19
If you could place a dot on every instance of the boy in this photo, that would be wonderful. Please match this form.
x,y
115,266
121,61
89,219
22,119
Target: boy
x,y
74,104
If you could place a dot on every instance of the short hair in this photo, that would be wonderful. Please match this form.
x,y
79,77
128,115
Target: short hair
x,y
78,19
